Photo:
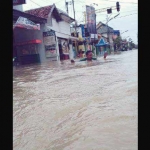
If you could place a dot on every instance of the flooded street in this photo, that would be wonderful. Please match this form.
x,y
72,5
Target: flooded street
x,y
81,106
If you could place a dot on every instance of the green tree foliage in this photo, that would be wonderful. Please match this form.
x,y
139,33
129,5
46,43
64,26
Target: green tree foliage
x,y
118,41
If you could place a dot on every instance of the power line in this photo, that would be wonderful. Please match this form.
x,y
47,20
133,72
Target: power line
x,y
120,12
49,1
120,2
111,1
45,2
36,3
126,15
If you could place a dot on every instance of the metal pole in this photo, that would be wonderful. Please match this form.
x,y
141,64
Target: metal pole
x,y
75,23
74,14
66,4
107,30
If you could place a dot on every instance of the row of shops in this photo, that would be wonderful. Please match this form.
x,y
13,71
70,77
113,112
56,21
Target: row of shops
x,y
37,45
36,42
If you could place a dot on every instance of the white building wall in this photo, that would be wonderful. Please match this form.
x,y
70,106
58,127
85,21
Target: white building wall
x,y
18,7
55,25
64,27
41,48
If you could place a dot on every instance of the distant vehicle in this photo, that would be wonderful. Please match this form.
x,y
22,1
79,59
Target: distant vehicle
x,y
124,48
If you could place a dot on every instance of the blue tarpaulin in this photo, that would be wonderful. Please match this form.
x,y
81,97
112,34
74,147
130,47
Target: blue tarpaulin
x,y
102,42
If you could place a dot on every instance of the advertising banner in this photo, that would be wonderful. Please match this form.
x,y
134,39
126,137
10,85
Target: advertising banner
x,y
26,23
49,40
91,19
83,30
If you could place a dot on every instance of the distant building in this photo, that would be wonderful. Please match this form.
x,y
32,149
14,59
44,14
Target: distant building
x,y
116,33
106,32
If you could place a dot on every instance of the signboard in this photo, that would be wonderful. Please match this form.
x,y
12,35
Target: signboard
x,y
26,23
116,32
19,2
65,48
83,30
91,19
49,40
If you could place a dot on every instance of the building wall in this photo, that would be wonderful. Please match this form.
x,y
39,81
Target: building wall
x,y
64,27
27,34
62,30
103,31
61,27
18,7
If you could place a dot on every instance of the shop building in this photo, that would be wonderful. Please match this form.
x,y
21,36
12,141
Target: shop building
x,y
27,43
58,21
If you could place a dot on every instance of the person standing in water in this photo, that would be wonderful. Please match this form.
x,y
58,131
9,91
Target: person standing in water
x,y
105,54
89,56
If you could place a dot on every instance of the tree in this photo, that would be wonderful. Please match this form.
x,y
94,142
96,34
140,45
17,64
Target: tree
x,y
117,41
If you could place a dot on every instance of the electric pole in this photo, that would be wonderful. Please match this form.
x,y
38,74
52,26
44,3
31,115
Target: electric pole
x,y
66,4
74,16
108,31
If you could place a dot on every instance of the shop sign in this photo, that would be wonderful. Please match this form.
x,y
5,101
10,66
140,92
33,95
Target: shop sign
x,y
83,30
91,19
26,23
19,2
65,48
49,40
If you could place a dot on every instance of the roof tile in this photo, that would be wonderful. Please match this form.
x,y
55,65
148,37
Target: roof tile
x,y
40,12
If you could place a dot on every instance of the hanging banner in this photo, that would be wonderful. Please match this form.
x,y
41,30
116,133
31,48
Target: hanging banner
x,y
26,23
49,40
83,30
91,19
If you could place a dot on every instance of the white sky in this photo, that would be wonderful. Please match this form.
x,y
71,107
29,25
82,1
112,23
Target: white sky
x,y
127,20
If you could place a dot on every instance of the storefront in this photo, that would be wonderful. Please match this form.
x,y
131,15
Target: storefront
x,y
101,47
27,53
25,45
63,46
27,38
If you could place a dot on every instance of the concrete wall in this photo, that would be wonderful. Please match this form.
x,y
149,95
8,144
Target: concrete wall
x,y
64,27
104,29
18,7
22,35
61,27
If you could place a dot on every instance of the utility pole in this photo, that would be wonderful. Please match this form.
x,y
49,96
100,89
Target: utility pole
x,y
74,16
108,31
66,4
85,17
108,19
75,24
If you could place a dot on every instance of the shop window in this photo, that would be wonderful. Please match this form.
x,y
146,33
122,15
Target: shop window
x,y
28,49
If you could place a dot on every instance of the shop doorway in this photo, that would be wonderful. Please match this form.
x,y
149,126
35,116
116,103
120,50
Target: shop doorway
x,y
61,51
28,54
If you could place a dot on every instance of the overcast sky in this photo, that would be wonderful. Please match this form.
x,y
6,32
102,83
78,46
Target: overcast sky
x,y
127,20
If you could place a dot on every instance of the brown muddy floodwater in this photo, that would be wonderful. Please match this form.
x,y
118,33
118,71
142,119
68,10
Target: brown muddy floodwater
x,y
81,106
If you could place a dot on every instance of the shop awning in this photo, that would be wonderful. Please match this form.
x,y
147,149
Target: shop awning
x,y
102,42
37,41
73,38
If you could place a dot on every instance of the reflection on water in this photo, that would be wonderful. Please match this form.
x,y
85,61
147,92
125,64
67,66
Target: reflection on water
x,y
81,106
